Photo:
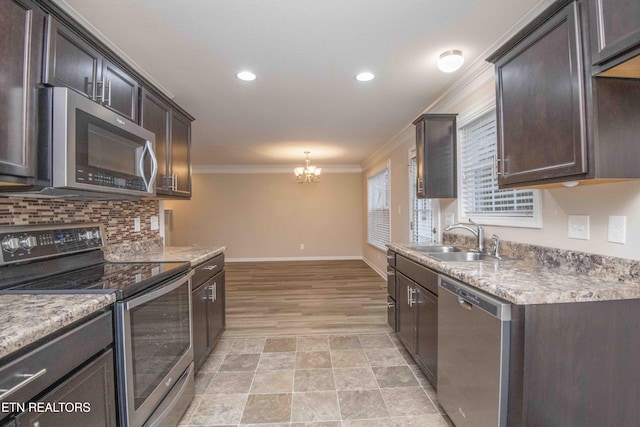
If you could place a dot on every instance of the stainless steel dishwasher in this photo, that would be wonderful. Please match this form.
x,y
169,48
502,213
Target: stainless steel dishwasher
x,y
473,355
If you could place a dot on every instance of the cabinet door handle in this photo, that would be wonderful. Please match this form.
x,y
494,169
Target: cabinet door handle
x,y
100,92
210,267
410,294
108,100
214,292
28,378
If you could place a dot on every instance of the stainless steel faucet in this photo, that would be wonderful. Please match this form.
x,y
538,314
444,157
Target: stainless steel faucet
x,y
478,232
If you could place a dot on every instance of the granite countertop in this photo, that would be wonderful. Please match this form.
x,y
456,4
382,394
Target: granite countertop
x,y
527,282
193,254
25,319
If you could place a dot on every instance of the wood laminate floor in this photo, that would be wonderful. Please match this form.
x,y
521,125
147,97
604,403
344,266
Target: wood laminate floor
x,y
304,297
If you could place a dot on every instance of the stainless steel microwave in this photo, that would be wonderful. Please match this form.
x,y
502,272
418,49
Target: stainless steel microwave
x,y
95,149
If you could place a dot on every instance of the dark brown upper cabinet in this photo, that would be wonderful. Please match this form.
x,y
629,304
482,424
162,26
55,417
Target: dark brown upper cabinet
x,y
436,156
21,35
74,63
173,143
555,121
541,104
615,29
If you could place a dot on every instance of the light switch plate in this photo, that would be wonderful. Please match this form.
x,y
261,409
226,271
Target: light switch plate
x,y
617,229
155,225
579,227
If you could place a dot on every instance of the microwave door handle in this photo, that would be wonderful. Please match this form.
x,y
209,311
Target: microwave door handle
x,y
148,147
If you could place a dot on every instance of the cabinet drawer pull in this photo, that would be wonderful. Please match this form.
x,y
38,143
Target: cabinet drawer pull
x,y
391,273
391,305
390,257
210,267
28,378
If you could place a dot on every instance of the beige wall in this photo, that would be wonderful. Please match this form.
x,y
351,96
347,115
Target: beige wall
x,y
597,201
268,216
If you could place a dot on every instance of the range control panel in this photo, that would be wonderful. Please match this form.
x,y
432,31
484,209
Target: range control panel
x,y
25,243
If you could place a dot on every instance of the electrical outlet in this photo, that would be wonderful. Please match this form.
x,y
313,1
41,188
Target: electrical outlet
x,y
302,246
617,229
579,227
155,225
136,224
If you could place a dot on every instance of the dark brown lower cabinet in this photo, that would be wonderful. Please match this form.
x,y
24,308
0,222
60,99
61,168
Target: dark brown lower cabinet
x,y
88,396
417,319
426,349
208,308
406,322
575,364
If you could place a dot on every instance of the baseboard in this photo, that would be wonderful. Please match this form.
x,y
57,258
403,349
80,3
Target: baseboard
x,y
276,259
382,274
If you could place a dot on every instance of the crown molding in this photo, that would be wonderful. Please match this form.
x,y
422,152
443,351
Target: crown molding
x,y
472,78
104,39
269,169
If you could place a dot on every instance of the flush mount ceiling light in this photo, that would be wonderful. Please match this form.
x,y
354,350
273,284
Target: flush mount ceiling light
x,y
365,76
450,61
307,173
247,76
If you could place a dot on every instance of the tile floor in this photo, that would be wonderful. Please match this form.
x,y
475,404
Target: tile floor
x,y
363,380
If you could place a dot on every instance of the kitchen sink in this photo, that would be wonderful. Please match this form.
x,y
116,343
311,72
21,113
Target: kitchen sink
x,y
435,249
466,256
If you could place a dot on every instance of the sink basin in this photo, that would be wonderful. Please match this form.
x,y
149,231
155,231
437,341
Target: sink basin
x,y
467,256
435,249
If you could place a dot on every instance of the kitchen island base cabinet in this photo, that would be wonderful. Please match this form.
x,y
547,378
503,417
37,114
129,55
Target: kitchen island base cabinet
x,y
575,364
208,308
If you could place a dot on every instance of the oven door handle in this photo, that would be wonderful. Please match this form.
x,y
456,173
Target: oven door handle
x,y
156,293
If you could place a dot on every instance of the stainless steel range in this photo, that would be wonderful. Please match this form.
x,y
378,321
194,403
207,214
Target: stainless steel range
x,y
154,362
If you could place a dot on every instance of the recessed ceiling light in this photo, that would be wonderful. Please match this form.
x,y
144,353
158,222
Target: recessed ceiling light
x,y
365,76
450,61
247,76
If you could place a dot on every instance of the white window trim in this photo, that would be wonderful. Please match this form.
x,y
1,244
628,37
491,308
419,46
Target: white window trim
x,y
484,106
369,175
435,204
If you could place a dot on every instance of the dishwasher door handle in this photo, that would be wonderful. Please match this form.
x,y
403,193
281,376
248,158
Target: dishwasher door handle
x,y
466,305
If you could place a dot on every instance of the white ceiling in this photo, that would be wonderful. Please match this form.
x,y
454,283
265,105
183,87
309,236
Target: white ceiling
x,y
305,54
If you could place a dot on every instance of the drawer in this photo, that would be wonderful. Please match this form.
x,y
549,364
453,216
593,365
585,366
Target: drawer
x,y
391,282
391,258
207,270
418,273
391,313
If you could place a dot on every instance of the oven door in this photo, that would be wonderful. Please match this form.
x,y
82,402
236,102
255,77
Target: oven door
x,y
154,347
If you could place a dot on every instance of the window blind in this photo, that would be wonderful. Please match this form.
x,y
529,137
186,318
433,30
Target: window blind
x,y
422,216
480,193
378,201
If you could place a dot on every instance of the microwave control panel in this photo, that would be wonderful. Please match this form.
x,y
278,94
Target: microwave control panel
x,y
103,179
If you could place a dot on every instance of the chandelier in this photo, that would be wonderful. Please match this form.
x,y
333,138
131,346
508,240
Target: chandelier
x,y
307,173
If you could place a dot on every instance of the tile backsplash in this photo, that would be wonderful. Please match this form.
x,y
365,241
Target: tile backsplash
x,y
116,216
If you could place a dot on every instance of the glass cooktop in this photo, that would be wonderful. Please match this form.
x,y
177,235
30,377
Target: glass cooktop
x,y
125,279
